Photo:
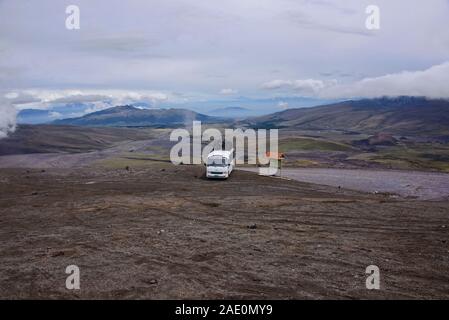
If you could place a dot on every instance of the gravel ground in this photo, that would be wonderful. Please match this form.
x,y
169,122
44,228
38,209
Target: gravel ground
x,y
167,232
411,184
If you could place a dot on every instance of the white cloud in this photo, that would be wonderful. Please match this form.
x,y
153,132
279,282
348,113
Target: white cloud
x,y
97,106
47,99
432,83
276,84
310,85
11,95
78,98
305,87
7,118
228,91
55,115
283,105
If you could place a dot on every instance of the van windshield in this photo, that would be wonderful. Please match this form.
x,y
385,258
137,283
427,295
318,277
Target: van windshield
x,y
216,162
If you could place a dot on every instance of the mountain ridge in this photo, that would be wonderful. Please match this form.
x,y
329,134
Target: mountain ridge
x,y
402,115
130,116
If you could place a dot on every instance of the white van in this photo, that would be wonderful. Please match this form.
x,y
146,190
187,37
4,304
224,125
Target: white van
x,y
220,164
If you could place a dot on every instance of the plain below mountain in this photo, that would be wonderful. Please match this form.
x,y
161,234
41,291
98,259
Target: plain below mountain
x,y
232,112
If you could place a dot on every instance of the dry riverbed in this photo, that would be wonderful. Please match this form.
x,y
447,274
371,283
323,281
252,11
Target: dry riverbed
x,y
408,184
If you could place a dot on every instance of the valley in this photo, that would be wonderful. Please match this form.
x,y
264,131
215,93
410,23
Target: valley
x,y
109,200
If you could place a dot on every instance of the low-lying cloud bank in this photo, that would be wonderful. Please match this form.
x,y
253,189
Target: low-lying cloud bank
x,y
431,83
47,99
7,118
65,103
309,87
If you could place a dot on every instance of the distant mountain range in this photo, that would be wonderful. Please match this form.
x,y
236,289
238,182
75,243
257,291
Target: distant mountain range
x,y
232,112
129,116
34,116
239,107
403,115
62,111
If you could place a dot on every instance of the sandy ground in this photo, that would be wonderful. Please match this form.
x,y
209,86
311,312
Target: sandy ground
x,y
408,184
166,232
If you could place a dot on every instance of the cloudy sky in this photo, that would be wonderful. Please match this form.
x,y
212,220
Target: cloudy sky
x,y
179,52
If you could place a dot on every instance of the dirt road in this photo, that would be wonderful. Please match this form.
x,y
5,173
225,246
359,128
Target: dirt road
x,y
166,232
